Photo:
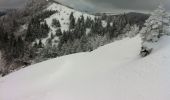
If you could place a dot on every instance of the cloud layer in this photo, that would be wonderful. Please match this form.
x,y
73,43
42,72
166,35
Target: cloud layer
x,y
11,3
99,5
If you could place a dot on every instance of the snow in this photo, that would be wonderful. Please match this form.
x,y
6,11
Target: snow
x,y
88,30
112,72
62,14
104,23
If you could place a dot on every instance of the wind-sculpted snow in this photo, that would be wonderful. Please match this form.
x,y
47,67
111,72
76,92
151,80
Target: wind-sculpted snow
x,y
112,72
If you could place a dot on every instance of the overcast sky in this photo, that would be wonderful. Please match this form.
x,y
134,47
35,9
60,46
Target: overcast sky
x,y
99,5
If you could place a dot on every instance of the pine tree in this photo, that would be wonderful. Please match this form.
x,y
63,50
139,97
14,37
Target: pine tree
x,y
72,21
83,42
82,20
58,32
40,44
153,30
88,22
35,45
52,36
29,35
97,27
56,23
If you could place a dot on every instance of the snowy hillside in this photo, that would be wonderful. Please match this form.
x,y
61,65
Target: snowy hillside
x,y
62,15
112,72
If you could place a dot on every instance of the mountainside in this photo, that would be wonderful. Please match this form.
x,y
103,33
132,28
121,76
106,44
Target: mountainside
x,y
114,71
46,29
63,16
22,28
106,57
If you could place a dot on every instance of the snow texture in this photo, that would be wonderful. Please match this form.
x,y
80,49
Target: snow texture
x,y
112,72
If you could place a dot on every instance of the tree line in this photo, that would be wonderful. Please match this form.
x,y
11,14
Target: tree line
x,y
76,39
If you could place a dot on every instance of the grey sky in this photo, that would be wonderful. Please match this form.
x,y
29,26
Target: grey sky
x,y
11,3
99,5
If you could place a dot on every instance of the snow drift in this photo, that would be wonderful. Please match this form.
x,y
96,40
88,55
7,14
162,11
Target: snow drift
x,y
112,72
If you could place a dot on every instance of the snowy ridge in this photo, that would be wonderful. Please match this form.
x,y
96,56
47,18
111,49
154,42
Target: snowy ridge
x,y
112,72
63,14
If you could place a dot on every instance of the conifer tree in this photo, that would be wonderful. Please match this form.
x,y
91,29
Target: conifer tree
x,y
56,23
58,32
40,44
154,28
72,21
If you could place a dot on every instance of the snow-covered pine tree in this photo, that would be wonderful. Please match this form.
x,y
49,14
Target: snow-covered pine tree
x,y
72,21
153,29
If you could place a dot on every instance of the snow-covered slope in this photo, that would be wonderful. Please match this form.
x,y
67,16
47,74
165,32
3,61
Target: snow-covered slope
x,y
63,14
112,72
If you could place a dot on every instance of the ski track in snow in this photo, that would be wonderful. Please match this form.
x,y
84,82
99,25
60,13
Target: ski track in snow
x,y
112,72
